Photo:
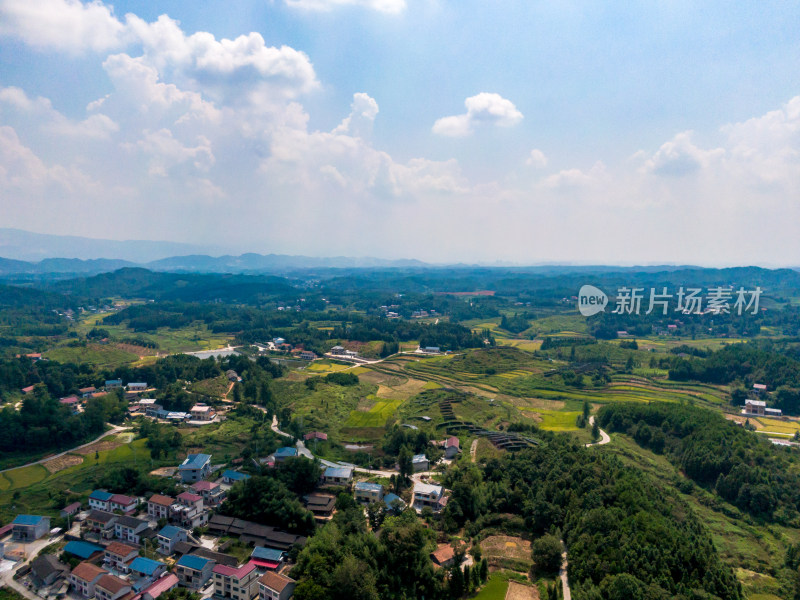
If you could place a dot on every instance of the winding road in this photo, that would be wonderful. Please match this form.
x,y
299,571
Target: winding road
x,y
114,429
604,437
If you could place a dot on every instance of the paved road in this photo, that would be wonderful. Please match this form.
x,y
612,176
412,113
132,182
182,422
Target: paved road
x,y
563,575
473,449
32,549
604,437
114,429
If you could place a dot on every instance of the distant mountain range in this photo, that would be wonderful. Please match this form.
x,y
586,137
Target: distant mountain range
x,y
27,253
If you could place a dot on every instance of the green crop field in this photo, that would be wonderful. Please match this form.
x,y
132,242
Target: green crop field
x,y
377,415
93,354
495,588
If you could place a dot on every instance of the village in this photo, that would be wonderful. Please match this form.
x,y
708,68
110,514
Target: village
x,y
123,547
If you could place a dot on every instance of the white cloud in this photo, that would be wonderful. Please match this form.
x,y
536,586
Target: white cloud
x,y
485,107
680,156
41,111
66,25
164,152
385,6
536,159
362,115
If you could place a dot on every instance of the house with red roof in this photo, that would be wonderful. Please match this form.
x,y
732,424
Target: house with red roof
x,y
274,586
123,503
158,587
237,584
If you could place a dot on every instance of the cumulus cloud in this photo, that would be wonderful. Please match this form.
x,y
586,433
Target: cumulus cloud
x,y
362,115
98,126
165,152
680,156
65,25
485,107
385,6
536,159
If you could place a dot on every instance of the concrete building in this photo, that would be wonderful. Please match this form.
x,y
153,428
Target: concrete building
x,y
274,586
28,528
84,578
368,492
194,571
236,584
195,468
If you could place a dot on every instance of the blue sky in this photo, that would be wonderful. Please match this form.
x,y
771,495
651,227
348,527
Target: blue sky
x,y
447,131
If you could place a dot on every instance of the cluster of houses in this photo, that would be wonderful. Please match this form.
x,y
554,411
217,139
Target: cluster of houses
x,y
133,548
77,402
200,413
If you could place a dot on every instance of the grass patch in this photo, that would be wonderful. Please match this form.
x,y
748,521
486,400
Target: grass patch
x,y
92,354
376,416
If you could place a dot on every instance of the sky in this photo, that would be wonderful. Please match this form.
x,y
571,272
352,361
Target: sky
x,y
448,131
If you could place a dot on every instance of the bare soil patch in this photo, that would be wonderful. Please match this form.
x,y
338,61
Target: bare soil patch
x,y
517,591
138,350
62,462
741,420
164,472
506,546
99,447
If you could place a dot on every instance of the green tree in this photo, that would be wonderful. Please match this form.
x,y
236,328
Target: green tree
x,y
546,554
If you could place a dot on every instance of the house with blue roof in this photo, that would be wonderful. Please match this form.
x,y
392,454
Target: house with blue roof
x,y
195,468
338,475
232,477
100,500
282,454
268,558
145,571
113,383
168,537
394,503
194,571
27,528
83,550
368,492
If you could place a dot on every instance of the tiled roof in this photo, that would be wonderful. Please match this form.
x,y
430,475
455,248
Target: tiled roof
x,y
202,486
237,573
87,571
161,500
189,497
101,516
275,581
167,582
112,583
122,499
120,549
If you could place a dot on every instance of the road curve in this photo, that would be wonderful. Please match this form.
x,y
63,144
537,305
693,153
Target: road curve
x,y
604,437
114,429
